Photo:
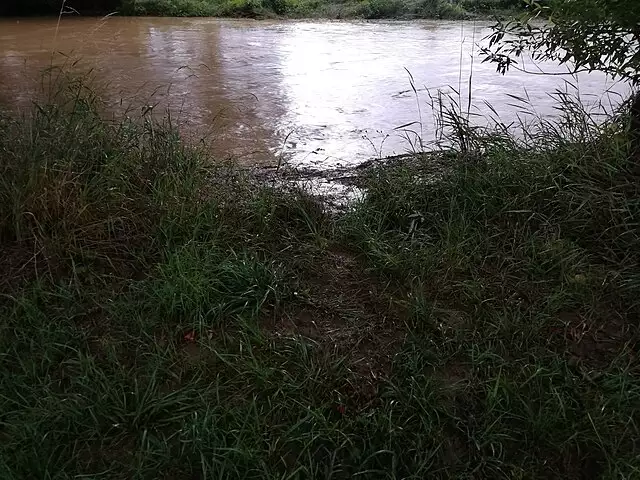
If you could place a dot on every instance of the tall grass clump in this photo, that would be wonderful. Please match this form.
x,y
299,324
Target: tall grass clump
x,y
77,189
570,178
120,195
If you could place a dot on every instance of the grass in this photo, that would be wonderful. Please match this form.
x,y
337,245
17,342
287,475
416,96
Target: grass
x,y
164,316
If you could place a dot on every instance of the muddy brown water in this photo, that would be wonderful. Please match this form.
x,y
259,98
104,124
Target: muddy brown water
x,y
316,94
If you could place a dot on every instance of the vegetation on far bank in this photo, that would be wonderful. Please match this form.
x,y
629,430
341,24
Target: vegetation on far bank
x,y
371,9
165,316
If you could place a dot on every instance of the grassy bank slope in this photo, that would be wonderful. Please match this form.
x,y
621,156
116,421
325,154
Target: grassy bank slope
x,y
162,317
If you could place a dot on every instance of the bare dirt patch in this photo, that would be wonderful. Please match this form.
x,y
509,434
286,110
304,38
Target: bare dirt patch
x,y
350,314
597,339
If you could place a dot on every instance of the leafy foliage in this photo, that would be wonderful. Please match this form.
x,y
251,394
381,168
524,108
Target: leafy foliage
x,y
591,35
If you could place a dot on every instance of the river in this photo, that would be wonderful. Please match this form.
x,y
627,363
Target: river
x,y
316,94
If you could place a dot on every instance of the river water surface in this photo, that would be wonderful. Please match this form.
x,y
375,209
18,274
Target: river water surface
x,y
317,94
